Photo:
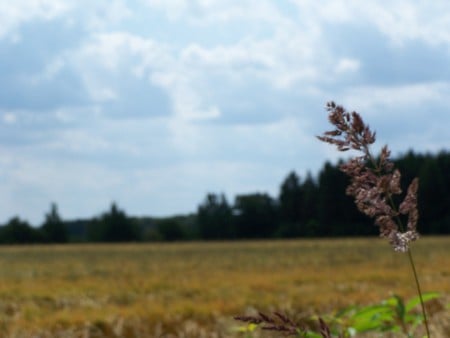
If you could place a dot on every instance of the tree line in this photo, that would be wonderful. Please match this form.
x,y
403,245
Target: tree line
x,y
305,207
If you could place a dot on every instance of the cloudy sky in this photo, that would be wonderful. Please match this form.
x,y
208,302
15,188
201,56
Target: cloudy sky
x,y
154,103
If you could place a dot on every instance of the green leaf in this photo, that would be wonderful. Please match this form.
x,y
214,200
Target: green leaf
x,y
413,302
344,312
310,334
372,318
391,328
414,319
392,301
400,308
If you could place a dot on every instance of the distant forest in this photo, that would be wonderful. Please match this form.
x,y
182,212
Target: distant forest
x,y
305,207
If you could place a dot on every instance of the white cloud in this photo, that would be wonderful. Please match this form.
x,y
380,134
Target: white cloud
x,y
103,14
174,9
244,82
401,21
286,60
15,13
106,60
206,12
411,95
347,65
9,118
32,184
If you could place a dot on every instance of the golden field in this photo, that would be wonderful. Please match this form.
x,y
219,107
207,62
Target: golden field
x,y
194,289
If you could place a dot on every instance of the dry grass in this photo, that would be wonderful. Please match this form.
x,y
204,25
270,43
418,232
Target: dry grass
x,y
193,289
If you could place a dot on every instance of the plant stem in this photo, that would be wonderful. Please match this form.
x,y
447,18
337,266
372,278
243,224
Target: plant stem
x,y
419,291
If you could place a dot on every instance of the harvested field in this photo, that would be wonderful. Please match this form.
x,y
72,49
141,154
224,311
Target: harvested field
x,y
194,289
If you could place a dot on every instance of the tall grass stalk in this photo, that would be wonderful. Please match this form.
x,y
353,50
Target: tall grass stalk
x,y
373,184
378,170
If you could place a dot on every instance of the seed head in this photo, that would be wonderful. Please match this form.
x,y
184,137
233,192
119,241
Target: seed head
x,y
373,183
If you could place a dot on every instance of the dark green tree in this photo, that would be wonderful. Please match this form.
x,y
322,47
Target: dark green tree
x,y
114,226
443,162
53,228
409,165
338,215
170,229
256,216
309,207
215,218
434,188
432,192
291,207
17,231
332,185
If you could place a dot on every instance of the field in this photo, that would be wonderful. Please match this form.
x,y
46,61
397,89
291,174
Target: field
x,y
194,289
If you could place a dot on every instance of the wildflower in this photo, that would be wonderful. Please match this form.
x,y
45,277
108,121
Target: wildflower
x,y
373,183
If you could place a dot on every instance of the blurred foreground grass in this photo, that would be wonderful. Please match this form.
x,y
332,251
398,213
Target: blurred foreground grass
x,y
194,289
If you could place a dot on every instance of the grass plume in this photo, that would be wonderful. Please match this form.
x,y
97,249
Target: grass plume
x,y
374,184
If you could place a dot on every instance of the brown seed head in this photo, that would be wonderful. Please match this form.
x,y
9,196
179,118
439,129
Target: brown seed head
x,y
373,183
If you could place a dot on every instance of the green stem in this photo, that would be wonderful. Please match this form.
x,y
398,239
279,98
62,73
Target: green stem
x,y
419,291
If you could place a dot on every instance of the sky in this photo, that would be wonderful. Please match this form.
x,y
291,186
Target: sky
x,y
155,103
